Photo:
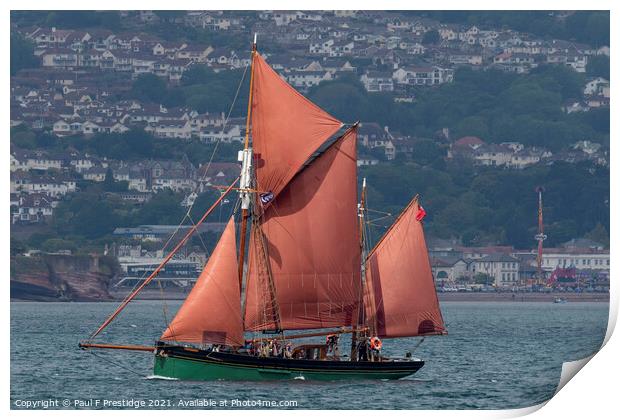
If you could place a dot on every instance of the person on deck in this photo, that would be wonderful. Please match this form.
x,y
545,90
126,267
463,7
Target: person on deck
x,y
288,350
332,344
375,349
362,349
263,349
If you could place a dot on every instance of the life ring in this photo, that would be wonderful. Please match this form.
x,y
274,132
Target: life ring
x,y
375,343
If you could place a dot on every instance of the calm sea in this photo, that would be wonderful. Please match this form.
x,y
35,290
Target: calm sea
x,y
497,355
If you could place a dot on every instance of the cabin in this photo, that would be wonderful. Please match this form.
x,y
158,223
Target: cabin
x,y
310,352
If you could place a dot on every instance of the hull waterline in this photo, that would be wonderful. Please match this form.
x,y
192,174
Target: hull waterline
x,y
199,365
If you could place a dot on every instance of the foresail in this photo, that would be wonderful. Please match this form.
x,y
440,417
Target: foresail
x,y
400,297
212,311
312,237
286,128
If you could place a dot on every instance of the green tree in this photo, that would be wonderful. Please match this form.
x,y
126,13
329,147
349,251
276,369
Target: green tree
x,y
598,66
111,185
76,19
57,244
431,37
150,88
427,151
599,234
17,247
22,54
483,278
163,208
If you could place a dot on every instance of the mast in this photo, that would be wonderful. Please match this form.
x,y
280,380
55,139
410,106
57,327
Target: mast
x,y
540,237
360,313
245,156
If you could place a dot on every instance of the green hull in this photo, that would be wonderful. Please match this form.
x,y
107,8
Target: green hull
x,y
204,370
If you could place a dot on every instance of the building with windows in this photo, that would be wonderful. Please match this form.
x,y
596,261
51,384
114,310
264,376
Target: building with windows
x,y
502,267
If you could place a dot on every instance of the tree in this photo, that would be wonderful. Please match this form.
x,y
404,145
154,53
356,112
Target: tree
x,y
599,234
17,247
150,88
472,126
483,278
426,152
431,37
111,185
163,208
204,201
22,54
598,66
197,74
57,244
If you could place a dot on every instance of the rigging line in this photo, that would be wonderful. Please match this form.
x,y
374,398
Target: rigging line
x,y
217,144
370,223
377,219
379,211
161,265
367,230
165,305
202,180
200,237
144,274
92,353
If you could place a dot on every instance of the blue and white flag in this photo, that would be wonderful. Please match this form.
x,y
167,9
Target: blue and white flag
x,y
266,197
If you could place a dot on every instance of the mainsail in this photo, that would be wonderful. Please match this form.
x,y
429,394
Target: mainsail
x,y
312,239
400,298
212,311
286,128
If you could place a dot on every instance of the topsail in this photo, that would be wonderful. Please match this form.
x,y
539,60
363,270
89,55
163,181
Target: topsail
x,y
286,129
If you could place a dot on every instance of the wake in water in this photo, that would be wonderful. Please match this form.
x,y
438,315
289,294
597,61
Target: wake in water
x,y
162,378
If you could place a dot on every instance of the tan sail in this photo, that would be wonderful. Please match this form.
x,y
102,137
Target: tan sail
x,y
286,128
400,298
212,311
313,247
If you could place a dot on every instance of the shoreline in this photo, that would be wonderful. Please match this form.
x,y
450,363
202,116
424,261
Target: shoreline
x,y
522,296
602,297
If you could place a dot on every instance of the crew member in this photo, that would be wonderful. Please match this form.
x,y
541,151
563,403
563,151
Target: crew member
x,y
288,350
363,349
375,348
332,344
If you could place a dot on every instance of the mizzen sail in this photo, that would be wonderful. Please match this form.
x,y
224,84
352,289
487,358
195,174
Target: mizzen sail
x,y
286,128
312,238
212,311
400,298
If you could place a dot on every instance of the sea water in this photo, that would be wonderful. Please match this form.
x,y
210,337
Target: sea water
x,y
497,355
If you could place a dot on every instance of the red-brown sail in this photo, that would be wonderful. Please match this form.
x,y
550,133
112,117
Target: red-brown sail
x,y
400,296
286,128
313,247
212,311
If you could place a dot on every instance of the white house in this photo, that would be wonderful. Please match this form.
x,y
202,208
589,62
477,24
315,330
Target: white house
x,y
580,259
503,268
377,82
598,86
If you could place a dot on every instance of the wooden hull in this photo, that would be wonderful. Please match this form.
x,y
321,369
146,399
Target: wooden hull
x,y
186,363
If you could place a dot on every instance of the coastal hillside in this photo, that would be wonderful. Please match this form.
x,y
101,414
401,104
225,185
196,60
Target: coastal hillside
x,y
61,277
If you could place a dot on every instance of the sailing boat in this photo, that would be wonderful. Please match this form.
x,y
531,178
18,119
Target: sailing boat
x,y
308,265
